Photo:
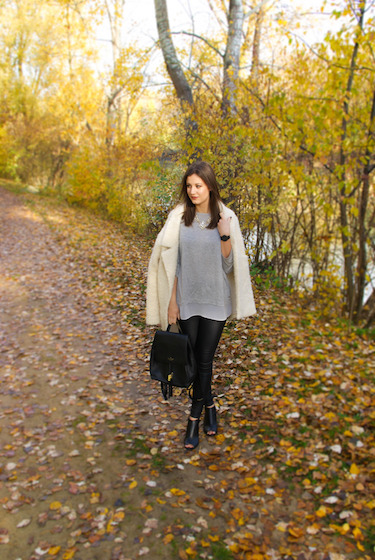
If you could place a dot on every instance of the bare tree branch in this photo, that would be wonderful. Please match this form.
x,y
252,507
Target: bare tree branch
x,y
224,10
198,37
326,60
200,79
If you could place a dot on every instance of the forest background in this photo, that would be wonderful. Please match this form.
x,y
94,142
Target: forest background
x,y
285,118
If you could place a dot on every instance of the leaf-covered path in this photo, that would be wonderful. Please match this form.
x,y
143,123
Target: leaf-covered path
x,y
91,459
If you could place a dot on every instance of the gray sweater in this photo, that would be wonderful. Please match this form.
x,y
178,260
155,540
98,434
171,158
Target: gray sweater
x,y
202,283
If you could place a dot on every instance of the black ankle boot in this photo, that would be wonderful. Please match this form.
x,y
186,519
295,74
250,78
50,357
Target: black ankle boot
x,y
210,421
192,434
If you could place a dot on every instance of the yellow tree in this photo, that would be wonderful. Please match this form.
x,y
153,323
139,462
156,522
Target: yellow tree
x,y
45,85
324,106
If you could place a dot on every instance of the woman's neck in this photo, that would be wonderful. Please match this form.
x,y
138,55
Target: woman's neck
x,y
203,208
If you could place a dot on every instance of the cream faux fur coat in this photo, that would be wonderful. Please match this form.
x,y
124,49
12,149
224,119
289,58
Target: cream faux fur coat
x,y
163,264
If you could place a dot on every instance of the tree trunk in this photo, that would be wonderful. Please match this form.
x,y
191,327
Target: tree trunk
x,y
114,11
344,221
114,18
232,56
113,116
256,45
363,228
369,310
175,71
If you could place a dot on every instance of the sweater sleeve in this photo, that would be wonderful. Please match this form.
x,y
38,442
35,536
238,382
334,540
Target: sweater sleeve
x,y
227,263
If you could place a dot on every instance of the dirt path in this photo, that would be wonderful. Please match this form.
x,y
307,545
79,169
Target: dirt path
x,y
91,459
72,420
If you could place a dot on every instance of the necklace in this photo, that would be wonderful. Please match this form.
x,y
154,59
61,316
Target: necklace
x,y
204,224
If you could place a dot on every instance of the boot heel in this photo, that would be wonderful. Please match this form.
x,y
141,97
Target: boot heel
x,y
192,434
210,421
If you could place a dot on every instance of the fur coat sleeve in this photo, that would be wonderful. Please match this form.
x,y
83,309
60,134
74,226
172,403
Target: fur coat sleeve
x,y
162,270
239,279
163,265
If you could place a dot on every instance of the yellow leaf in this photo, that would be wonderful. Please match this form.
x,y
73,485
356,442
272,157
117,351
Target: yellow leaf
x,y
54,550
213,468
345,528
204,543
213,538
54,506
95,498
173,433
248,481
237,513
354,469
321,512
295,532
131,462
357,534
191,552
69,553
177,492
168,538
133,485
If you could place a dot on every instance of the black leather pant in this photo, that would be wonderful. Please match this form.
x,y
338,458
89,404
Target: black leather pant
x,y
204,335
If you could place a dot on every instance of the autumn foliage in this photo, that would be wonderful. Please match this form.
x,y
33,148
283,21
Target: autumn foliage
x,y
288,127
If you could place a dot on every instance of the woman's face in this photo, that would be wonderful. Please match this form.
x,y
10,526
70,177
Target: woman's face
x,y
198,192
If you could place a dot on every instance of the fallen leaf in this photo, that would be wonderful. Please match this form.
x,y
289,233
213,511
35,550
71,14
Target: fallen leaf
x,y
23,523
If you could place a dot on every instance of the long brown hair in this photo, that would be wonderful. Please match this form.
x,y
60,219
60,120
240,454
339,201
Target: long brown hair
x,y
206,173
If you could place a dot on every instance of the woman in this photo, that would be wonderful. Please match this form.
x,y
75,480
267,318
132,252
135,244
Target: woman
x,y
199,276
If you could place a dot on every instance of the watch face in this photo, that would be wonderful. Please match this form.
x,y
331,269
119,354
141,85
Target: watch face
x,y
225,237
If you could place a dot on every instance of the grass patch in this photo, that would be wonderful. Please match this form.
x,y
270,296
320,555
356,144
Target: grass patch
x,y
220,552
158,462
369,542
137,446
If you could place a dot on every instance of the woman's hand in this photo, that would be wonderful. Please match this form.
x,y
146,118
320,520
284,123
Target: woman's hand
x,y
173,312
223,224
